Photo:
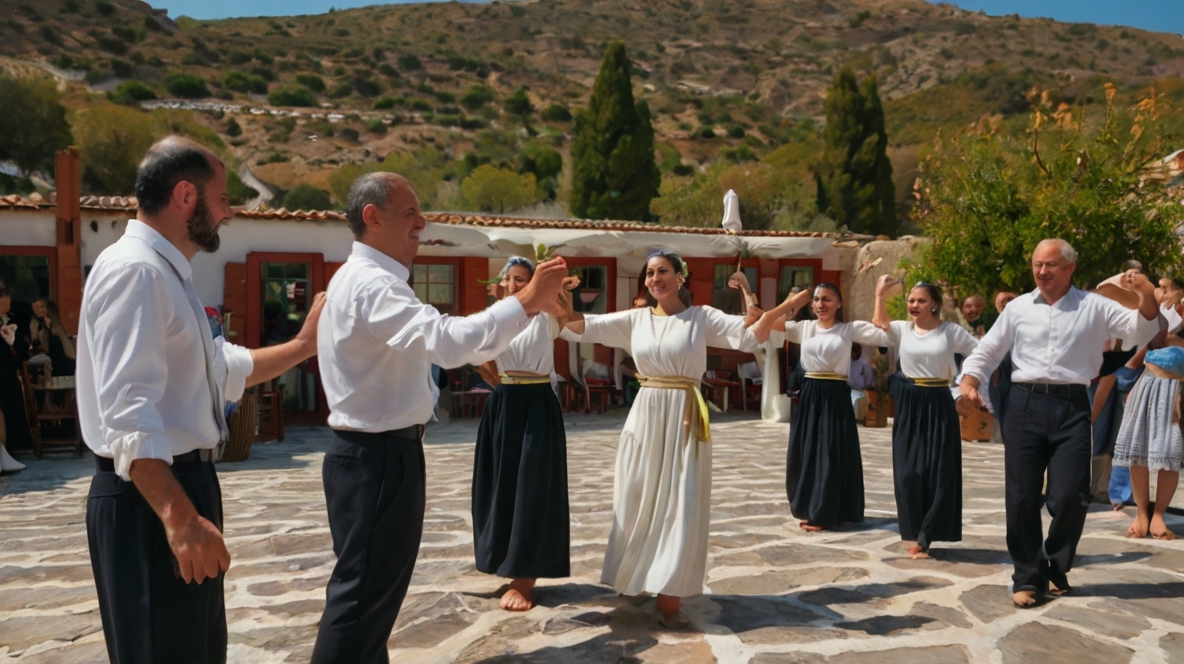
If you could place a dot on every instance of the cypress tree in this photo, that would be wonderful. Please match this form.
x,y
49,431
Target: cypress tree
x,y
614,175
854,174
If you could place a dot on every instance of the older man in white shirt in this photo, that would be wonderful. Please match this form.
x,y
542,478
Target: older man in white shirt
x,y
377,344
152,387
1055,335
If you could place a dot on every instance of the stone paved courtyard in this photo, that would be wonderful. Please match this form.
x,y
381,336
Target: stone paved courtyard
x,y
776,595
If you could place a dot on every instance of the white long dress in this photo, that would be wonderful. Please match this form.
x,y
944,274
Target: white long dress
x,y
662,486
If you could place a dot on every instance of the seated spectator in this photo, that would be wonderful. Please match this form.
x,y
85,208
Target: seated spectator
x,y
860,378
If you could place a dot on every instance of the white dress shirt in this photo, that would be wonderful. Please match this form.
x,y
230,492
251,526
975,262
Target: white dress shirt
x,y
152,382
377,342
1059,343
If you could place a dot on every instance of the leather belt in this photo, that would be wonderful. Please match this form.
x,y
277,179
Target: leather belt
x,y
413,432
1055,389
107,465
825,375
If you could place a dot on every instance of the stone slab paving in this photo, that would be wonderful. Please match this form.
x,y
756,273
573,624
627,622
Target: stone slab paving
x,y
776,595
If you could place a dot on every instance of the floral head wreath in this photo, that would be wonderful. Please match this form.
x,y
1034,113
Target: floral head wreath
x,y
671,256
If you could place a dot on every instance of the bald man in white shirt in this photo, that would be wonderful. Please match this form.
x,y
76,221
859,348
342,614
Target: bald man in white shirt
x,y
377,344
1056,335
152,388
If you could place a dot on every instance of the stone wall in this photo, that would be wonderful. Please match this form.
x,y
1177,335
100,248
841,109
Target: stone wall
x,y
861,277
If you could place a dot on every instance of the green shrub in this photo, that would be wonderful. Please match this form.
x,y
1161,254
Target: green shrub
x,y
307,197
556,113
476,97
384,103
292,96
130,92
376,126
311,81
409,63
186,86
243,82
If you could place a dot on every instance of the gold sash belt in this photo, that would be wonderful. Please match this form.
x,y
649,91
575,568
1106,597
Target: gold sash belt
x,y
930,382
694,396
525,379
825,375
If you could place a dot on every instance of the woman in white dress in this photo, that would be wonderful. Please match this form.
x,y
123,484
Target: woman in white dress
x,y
824,470
662,485
520,511
926,437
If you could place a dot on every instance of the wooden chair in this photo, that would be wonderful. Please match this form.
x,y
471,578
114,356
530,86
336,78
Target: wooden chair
x,y
269,403
718,386
751,384
598,390
64,418
466,402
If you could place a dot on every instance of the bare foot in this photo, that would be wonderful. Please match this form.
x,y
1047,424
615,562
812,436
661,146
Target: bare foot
x,y
917,552
1024,598
1159,529
519,597
1117,507
1138,527
811,528
803,522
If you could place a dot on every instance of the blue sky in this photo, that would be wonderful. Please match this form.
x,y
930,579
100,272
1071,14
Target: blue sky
x,y
1160,15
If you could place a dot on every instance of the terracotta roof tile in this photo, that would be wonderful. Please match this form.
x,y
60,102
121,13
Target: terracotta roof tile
x,y
128,204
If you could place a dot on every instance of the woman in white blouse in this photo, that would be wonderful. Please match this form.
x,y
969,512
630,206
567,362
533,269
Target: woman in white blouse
x,y
824,470
520,509
662,484
926,439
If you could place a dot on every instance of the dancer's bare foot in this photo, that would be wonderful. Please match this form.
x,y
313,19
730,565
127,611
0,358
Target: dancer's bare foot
x,y
803,522
1117,507
519,597
1139,526
1024,598
1159,529
811,528
917,552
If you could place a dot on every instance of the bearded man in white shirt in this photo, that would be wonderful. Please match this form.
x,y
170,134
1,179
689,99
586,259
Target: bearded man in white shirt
x,y
1055,335
377,344
152,388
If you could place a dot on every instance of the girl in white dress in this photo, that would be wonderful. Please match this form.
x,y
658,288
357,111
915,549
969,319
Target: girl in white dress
x,y
824,470
926,437
662,485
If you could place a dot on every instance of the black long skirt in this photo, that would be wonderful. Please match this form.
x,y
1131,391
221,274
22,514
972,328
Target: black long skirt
x,y
824,472
521,524
927,465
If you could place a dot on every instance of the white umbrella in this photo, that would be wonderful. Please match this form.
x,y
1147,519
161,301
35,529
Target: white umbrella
x,y
731,220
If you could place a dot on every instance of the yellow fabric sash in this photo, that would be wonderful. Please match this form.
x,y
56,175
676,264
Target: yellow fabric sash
x,y
694,398
930,382
825,375
534,379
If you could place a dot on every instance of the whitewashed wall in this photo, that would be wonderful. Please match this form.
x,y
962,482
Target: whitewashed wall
x,y
28,228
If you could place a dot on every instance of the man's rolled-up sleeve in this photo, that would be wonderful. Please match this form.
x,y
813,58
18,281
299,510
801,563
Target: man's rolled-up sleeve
x,y
127,346
232,365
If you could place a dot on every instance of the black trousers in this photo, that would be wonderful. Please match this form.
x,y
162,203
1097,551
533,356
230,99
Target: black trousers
x,y
375,494
149,613
1046,433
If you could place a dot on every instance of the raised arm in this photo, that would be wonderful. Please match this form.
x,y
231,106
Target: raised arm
x,y
880,319
775,317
